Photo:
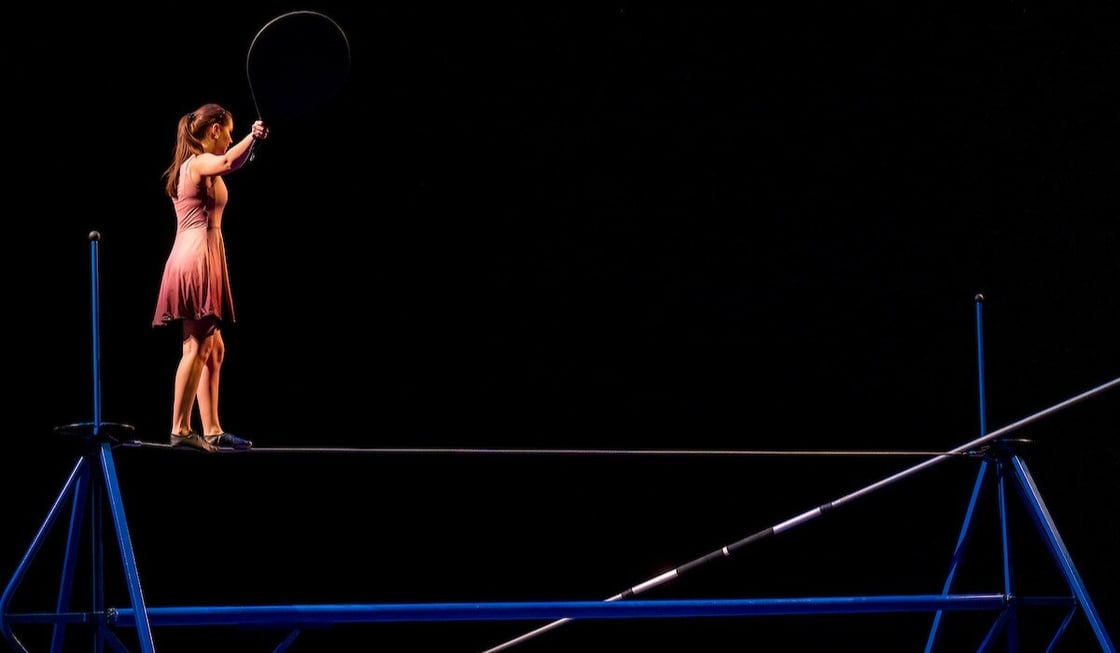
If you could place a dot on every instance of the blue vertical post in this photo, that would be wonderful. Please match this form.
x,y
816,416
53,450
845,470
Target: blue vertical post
x,y
980,363
977,486
97,554
106,486
1011,622
95,304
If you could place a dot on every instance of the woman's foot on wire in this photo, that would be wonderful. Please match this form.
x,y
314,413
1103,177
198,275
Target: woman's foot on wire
x,y
228,441
192,440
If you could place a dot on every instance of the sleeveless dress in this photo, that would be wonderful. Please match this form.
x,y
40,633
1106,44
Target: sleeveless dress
x,y
195,280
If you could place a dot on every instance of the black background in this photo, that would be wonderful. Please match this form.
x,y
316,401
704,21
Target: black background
x,y
612,227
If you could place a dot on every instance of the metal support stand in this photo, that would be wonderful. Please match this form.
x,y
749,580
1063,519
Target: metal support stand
x,y
1010,468
1007,469
91,484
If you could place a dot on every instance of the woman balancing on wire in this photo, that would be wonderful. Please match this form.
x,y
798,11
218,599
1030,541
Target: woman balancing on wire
x,y
195,290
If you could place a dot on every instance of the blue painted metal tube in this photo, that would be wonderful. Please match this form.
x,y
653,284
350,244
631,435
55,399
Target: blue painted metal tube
x,y
95,303
1049,530
962,537
32,551
1009,585
389,612
128,557
980,364
958,553
70,557
290,615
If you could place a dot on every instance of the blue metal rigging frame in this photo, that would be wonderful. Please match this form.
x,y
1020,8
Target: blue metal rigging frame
x,y
92,484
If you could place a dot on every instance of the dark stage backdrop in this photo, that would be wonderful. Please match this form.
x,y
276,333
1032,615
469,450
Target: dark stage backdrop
x,y
609,227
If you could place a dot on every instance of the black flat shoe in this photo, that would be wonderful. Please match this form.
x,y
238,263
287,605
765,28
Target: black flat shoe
x,y
228,441
192,440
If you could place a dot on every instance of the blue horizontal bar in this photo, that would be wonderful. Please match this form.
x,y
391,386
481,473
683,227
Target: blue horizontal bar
x,y
291,615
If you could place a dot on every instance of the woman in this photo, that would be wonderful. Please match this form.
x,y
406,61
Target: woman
x,y
195,289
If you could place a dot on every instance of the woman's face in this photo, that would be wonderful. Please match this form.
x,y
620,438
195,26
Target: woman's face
x,y
224,138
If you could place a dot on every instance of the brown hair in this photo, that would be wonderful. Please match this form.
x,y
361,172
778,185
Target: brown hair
x,y
188,140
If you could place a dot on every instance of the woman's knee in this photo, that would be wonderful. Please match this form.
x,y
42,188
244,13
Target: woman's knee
x,y
217,352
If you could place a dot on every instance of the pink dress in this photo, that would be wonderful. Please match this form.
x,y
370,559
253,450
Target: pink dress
x,y
195,278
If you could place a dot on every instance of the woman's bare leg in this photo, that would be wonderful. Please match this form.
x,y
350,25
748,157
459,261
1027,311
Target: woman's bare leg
x,y
198,342
208,386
